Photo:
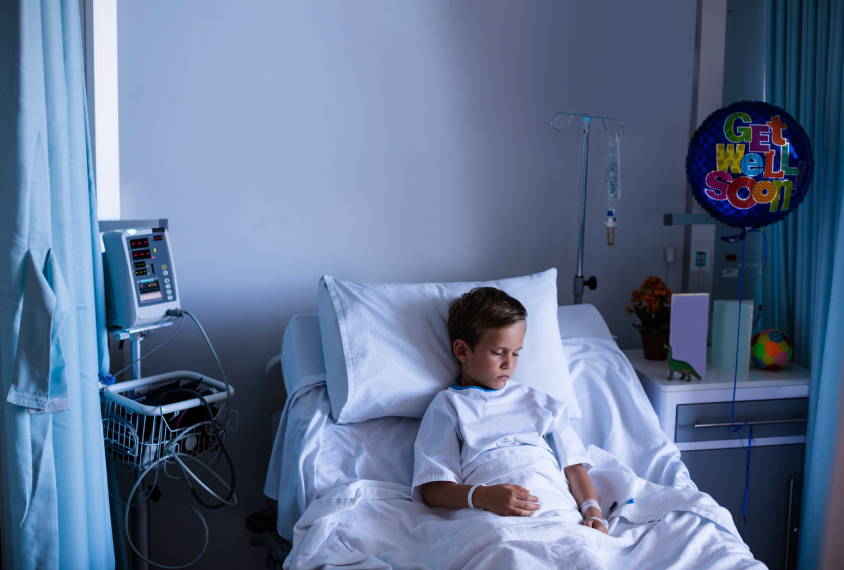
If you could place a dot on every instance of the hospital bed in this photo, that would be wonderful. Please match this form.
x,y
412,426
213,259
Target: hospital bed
x,y
318,463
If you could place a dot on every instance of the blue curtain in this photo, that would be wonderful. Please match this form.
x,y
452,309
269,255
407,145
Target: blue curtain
x,y
52,326
805,76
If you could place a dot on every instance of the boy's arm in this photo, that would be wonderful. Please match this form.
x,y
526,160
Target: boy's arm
x,y
504,500
581,488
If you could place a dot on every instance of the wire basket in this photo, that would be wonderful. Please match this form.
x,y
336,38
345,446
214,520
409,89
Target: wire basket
x,y
139,435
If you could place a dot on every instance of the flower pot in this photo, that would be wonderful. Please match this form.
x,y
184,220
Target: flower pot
x,y
653,344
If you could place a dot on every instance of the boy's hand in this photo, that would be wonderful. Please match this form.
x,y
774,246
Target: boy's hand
x,y
592,523
506,500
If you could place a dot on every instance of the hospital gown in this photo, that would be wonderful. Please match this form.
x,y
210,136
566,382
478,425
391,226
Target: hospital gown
x,y
514,435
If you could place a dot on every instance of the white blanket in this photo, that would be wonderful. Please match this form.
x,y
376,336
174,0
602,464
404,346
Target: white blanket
x,y
313,455
368,524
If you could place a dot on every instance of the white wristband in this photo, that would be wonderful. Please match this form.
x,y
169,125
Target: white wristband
x,y
589,503
471,491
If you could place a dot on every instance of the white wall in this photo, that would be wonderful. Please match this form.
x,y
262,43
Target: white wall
x,y
385,141
713,15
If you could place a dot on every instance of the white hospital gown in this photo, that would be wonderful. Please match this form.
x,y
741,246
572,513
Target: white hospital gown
x,y
471,435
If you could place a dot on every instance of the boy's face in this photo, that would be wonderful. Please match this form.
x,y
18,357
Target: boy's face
x,y
494,358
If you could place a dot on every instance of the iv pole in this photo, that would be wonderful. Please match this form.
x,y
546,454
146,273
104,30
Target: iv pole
x,y
140,514
579,282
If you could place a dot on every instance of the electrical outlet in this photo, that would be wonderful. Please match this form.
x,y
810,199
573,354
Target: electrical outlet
x,y
701,259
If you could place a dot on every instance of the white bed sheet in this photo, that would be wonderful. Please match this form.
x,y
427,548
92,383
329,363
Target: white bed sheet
x,y
313,456
369,525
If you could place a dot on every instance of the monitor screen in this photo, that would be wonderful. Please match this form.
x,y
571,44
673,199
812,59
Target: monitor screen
x,y
150,290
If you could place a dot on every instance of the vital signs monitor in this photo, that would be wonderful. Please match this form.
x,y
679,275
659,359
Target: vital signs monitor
x,y
140,277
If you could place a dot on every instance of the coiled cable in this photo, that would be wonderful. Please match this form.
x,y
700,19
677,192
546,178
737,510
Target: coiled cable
x,y
218,436
171,453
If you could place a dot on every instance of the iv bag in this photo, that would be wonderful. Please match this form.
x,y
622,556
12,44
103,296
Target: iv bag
x,y
613,173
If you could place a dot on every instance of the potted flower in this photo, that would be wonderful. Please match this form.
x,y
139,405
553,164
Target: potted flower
x,y
652,304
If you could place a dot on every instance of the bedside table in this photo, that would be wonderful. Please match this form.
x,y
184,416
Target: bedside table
x,y
696,416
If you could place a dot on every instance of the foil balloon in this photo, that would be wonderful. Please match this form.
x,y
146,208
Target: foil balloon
x,y
749,164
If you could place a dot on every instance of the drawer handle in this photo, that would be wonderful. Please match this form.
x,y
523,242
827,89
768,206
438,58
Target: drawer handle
x,y
753,423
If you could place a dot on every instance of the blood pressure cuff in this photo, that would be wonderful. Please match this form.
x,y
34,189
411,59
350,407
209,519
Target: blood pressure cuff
x,y
39,380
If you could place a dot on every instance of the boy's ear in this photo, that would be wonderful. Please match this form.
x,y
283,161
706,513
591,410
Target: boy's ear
x,y
461,350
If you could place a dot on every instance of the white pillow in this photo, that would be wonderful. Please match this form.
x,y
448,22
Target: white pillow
x,y
387,351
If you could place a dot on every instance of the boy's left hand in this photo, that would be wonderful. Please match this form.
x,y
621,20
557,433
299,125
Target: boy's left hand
x,y
592,523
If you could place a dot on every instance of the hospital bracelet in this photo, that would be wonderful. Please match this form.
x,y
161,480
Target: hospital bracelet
x,y
589,503
472,490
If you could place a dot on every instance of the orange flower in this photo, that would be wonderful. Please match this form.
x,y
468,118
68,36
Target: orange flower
x,y
651,302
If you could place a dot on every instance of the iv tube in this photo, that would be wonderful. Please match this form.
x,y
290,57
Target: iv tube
x,y
613,187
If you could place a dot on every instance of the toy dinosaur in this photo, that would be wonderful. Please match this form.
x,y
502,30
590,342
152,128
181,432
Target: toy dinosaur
x,y
683,368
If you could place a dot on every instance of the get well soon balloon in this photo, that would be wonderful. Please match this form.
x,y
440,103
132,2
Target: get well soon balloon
x,y
749,164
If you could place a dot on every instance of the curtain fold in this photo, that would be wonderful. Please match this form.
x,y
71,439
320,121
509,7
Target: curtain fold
x,y
803,295
52,326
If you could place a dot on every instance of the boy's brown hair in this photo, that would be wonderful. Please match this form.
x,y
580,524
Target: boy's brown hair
x,y
481,309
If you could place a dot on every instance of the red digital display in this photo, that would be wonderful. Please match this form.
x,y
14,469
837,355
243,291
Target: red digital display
x,y
142,254
157,238
138,243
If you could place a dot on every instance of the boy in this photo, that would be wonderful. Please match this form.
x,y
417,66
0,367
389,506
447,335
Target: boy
x,y
487,429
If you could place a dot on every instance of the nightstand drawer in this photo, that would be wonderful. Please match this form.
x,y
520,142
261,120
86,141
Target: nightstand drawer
x,y
770,418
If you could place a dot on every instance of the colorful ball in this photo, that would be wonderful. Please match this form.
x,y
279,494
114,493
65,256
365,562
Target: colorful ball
x,y
770,349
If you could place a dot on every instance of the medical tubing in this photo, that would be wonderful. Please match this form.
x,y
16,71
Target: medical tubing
x,y
129,534
204,465
613,172
188,473
153,350
184,475
612,326
216,430
180,313
170,453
